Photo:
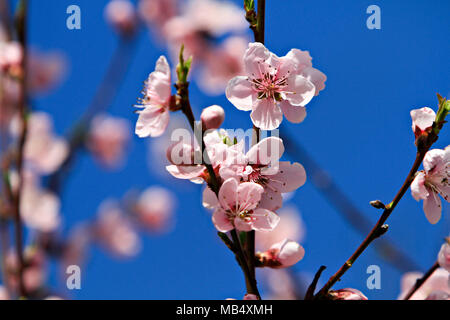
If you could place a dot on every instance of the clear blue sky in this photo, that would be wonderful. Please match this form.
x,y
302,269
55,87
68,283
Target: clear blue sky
x,y
358,129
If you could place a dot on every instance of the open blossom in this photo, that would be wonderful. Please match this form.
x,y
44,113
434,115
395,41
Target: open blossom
x,y
154,117
422,120
432,182
283,254
107,140
121,14
438,282
115,231
444,256
43,151
237,208
261,165
346,294
154,208
272,87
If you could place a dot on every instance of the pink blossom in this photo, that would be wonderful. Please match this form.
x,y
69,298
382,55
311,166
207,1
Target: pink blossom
x,y
11,55
250,296
432,182
220,64
212,117
283,254
121,14
272,86
154,208
347,294
261,165
44,152
108,138
3,293
422,120
444,256
437,282
46,70
154,117
238,208
115,231
157,12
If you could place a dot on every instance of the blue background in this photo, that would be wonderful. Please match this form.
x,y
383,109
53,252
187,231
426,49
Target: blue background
x,y
358,129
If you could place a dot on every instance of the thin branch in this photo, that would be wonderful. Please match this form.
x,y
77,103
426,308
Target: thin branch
x,y
102,100
379,229
421,281
344,205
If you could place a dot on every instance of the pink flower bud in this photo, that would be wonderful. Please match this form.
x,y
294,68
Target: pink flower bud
x,y
422,120
444,256
347,294
180,153
212,117
250,296
282,254
121,14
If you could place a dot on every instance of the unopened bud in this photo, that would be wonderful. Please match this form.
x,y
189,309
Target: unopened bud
x,y
212,117
377,204
180,153
346,294
281,255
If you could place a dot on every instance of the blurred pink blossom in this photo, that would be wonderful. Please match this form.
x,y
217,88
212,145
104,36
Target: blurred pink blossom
x,y
11,55
46,70
272,86
157,12
437,282
3,293
154,117
108,138
154,209
121,15
432,182
115,231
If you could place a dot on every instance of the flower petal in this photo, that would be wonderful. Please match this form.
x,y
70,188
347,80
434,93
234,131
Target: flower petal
x,y
255,58
299,90
264,220
418,189
228,194
152,121
433,208
267,151
271,200
266,114
289,177
210,200
240,93
221,221
294,114
249,195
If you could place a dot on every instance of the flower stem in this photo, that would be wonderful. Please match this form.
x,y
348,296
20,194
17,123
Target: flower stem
x,y
422,280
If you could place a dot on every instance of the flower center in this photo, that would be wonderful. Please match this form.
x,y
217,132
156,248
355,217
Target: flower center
x,y
269,86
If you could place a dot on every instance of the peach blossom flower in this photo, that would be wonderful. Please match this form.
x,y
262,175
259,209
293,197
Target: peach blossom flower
x,y
108,138
272,86
121,15
11,55
115,231
157,12
432,182
422,120
238,208
437,282
154,117
154,208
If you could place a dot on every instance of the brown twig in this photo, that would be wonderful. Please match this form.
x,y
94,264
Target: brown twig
x,y
380,228
421,281
344,205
